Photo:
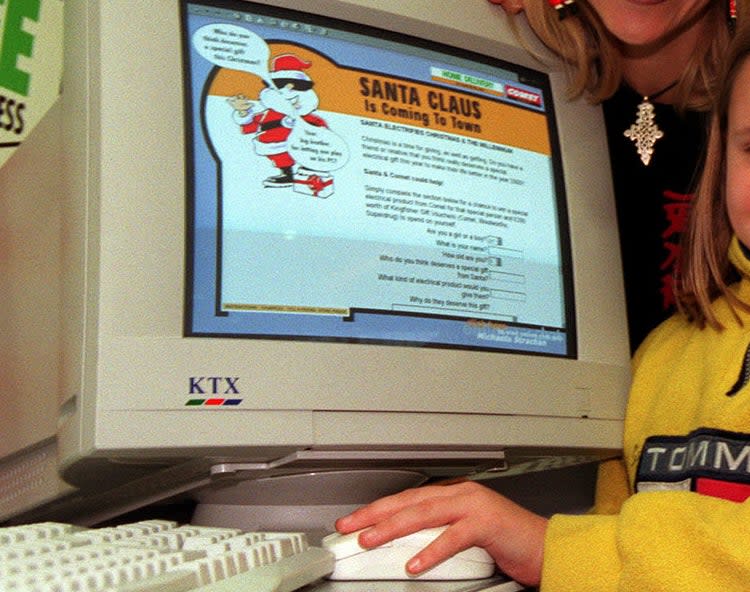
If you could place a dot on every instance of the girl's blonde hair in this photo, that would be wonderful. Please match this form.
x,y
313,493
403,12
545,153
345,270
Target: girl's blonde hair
x,y
705,270
594,60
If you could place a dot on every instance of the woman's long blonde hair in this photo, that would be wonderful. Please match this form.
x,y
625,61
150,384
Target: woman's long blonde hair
x,y
594,61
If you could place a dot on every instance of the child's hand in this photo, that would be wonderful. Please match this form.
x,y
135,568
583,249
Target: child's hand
x,y
510,6
476,515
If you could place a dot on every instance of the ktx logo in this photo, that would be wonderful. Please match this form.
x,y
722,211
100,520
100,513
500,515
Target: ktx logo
x,y
214,385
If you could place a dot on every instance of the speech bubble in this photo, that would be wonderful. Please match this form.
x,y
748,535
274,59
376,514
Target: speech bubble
x,y
231,46
317,148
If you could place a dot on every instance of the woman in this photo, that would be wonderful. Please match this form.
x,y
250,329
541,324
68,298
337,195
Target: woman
x,y
653,65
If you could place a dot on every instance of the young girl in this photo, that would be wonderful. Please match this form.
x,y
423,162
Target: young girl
x,y
675,514
619,52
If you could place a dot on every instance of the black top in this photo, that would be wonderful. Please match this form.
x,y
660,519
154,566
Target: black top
x,y
652,203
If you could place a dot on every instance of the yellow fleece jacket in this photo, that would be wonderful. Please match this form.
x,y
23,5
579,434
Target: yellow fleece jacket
x,y
674,514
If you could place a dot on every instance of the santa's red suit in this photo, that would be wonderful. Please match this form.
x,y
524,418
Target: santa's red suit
x,y
273,135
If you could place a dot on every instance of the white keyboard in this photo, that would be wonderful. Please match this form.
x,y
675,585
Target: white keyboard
x,y
155,555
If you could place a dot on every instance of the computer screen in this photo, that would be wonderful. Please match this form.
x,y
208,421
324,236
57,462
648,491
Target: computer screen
x,y
291,237
350,184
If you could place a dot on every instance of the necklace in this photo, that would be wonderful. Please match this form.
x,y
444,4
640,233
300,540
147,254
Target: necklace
x,y
644,132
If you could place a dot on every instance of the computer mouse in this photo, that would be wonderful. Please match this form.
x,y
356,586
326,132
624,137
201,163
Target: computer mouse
x,y
388,562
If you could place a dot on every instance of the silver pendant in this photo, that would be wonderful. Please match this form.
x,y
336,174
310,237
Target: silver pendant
x,y
644,132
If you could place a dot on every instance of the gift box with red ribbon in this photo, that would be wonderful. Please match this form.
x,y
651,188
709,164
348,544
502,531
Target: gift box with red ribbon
x,y
315,184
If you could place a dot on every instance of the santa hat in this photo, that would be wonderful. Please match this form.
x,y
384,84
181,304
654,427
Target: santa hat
x,y
289,67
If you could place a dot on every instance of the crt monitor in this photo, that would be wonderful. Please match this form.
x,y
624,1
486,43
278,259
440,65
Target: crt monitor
x,y
341,235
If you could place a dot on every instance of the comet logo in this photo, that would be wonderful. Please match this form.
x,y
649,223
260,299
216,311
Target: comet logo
x,y
524,96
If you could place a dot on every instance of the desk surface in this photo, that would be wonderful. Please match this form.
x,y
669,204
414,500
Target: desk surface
x,y
495,584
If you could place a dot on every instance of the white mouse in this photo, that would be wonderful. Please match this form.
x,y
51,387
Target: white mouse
x,y
388,561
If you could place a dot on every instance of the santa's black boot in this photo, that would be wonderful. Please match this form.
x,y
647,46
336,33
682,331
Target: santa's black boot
x,y
285,179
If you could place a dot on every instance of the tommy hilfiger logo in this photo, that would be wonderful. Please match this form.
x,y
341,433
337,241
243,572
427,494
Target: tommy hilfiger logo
x,y
713,462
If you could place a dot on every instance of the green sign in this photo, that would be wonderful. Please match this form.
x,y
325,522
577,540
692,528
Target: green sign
x,y
31,37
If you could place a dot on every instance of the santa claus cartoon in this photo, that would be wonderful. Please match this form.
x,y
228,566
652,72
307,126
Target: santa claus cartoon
x,y
289,97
